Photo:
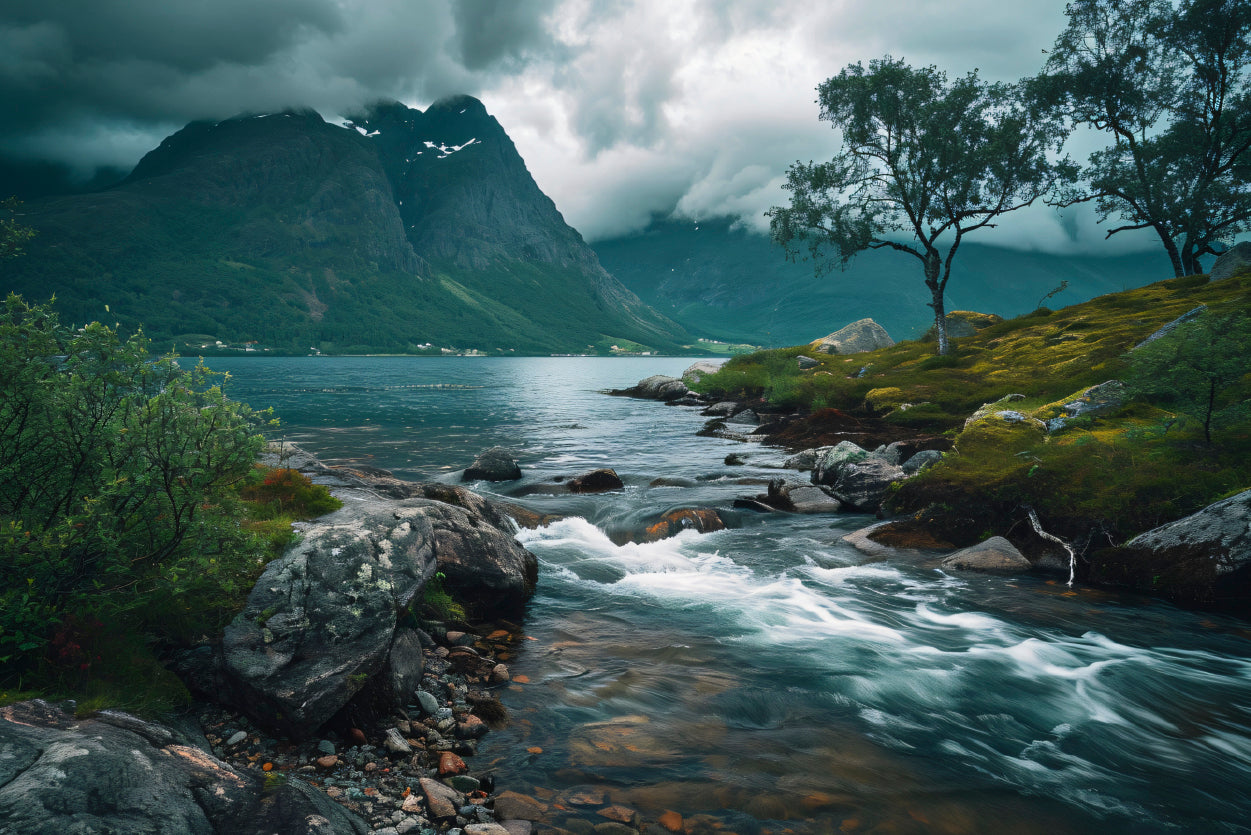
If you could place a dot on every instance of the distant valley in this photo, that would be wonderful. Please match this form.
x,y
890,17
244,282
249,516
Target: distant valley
x,y
729,284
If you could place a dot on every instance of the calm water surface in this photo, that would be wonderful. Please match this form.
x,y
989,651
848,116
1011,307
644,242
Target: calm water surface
x,y
769,678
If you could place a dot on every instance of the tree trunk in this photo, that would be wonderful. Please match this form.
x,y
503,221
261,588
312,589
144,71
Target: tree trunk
x,y
1170,246
932,266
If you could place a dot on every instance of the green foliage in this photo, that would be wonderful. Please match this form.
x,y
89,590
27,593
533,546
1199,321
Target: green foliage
x,y
438,603
921,159
1171,83
117,473
12,233
1200,368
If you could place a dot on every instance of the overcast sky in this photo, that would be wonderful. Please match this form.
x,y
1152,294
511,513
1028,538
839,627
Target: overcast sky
x,y
621,108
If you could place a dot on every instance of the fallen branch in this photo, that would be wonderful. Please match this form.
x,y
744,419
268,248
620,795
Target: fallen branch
x,y
1033,518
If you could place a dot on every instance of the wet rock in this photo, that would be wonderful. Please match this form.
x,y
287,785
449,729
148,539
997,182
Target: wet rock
x,y
723,408
862,486
596,481
500,674
1202,559
116,773
734,460
510,805
804,460
428,703
395,743
464,783
673,522
404,667
518,827
829,463
657,387
995,555
620,814
614,828
494,464
806,498
671,821
485,829
471,728
442,800
747,417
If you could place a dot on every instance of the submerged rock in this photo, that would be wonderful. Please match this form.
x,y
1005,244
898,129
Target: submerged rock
x,y
673,522
494,464
596,481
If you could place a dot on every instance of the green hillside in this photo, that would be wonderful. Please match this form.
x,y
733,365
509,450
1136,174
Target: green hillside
x,y
734,285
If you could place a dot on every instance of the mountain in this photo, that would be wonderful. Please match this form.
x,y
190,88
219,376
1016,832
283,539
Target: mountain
x,y
401,231
726,283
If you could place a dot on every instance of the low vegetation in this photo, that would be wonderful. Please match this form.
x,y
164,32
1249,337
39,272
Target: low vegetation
x,y
1179,441
133,516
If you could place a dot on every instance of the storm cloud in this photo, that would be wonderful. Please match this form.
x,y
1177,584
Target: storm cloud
x,y
622,109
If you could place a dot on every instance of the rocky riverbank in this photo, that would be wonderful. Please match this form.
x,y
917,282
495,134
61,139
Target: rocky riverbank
x,y
856,462
331,704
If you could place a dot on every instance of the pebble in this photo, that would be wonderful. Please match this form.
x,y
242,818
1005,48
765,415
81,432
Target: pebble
x,y
236,738
429,704
326,747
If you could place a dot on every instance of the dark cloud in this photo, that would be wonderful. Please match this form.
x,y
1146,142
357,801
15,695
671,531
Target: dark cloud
x,y
491,32
622,109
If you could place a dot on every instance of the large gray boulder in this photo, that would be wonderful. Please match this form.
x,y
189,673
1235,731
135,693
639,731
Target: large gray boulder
x,y
993,556
660,387
829,461
859,336
118,774
1232,261
320,624
320,621
494,464
863,485
1204,558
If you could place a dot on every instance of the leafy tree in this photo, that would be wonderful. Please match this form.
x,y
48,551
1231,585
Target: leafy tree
x,y
1173,87
115,474
1197,368
12,233
923,163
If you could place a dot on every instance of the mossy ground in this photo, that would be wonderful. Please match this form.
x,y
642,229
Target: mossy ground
x,y
1097,482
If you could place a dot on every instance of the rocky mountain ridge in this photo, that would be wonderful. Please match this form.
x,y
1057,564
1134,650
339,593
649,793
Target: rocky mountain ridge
x,y
398,231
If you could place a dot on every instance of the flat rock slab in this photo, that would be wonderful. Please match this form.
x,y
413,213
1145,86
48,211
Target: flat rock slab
x,y
119,774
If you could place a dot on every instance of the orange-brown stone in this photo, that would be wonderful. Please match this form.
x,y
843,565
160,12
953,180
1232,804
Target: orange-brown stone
x,y
671,820
450,764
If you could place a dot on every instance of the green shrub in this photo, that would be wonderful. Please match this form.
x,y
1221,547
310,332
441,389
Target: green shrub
x,y
117,480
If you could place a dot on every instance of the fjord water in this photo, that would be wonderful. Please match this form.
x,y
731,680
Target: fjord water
x,y
770,678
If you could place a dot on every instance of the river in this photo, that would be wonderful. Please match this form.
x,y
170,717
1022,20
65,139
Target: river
x,y
769,678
